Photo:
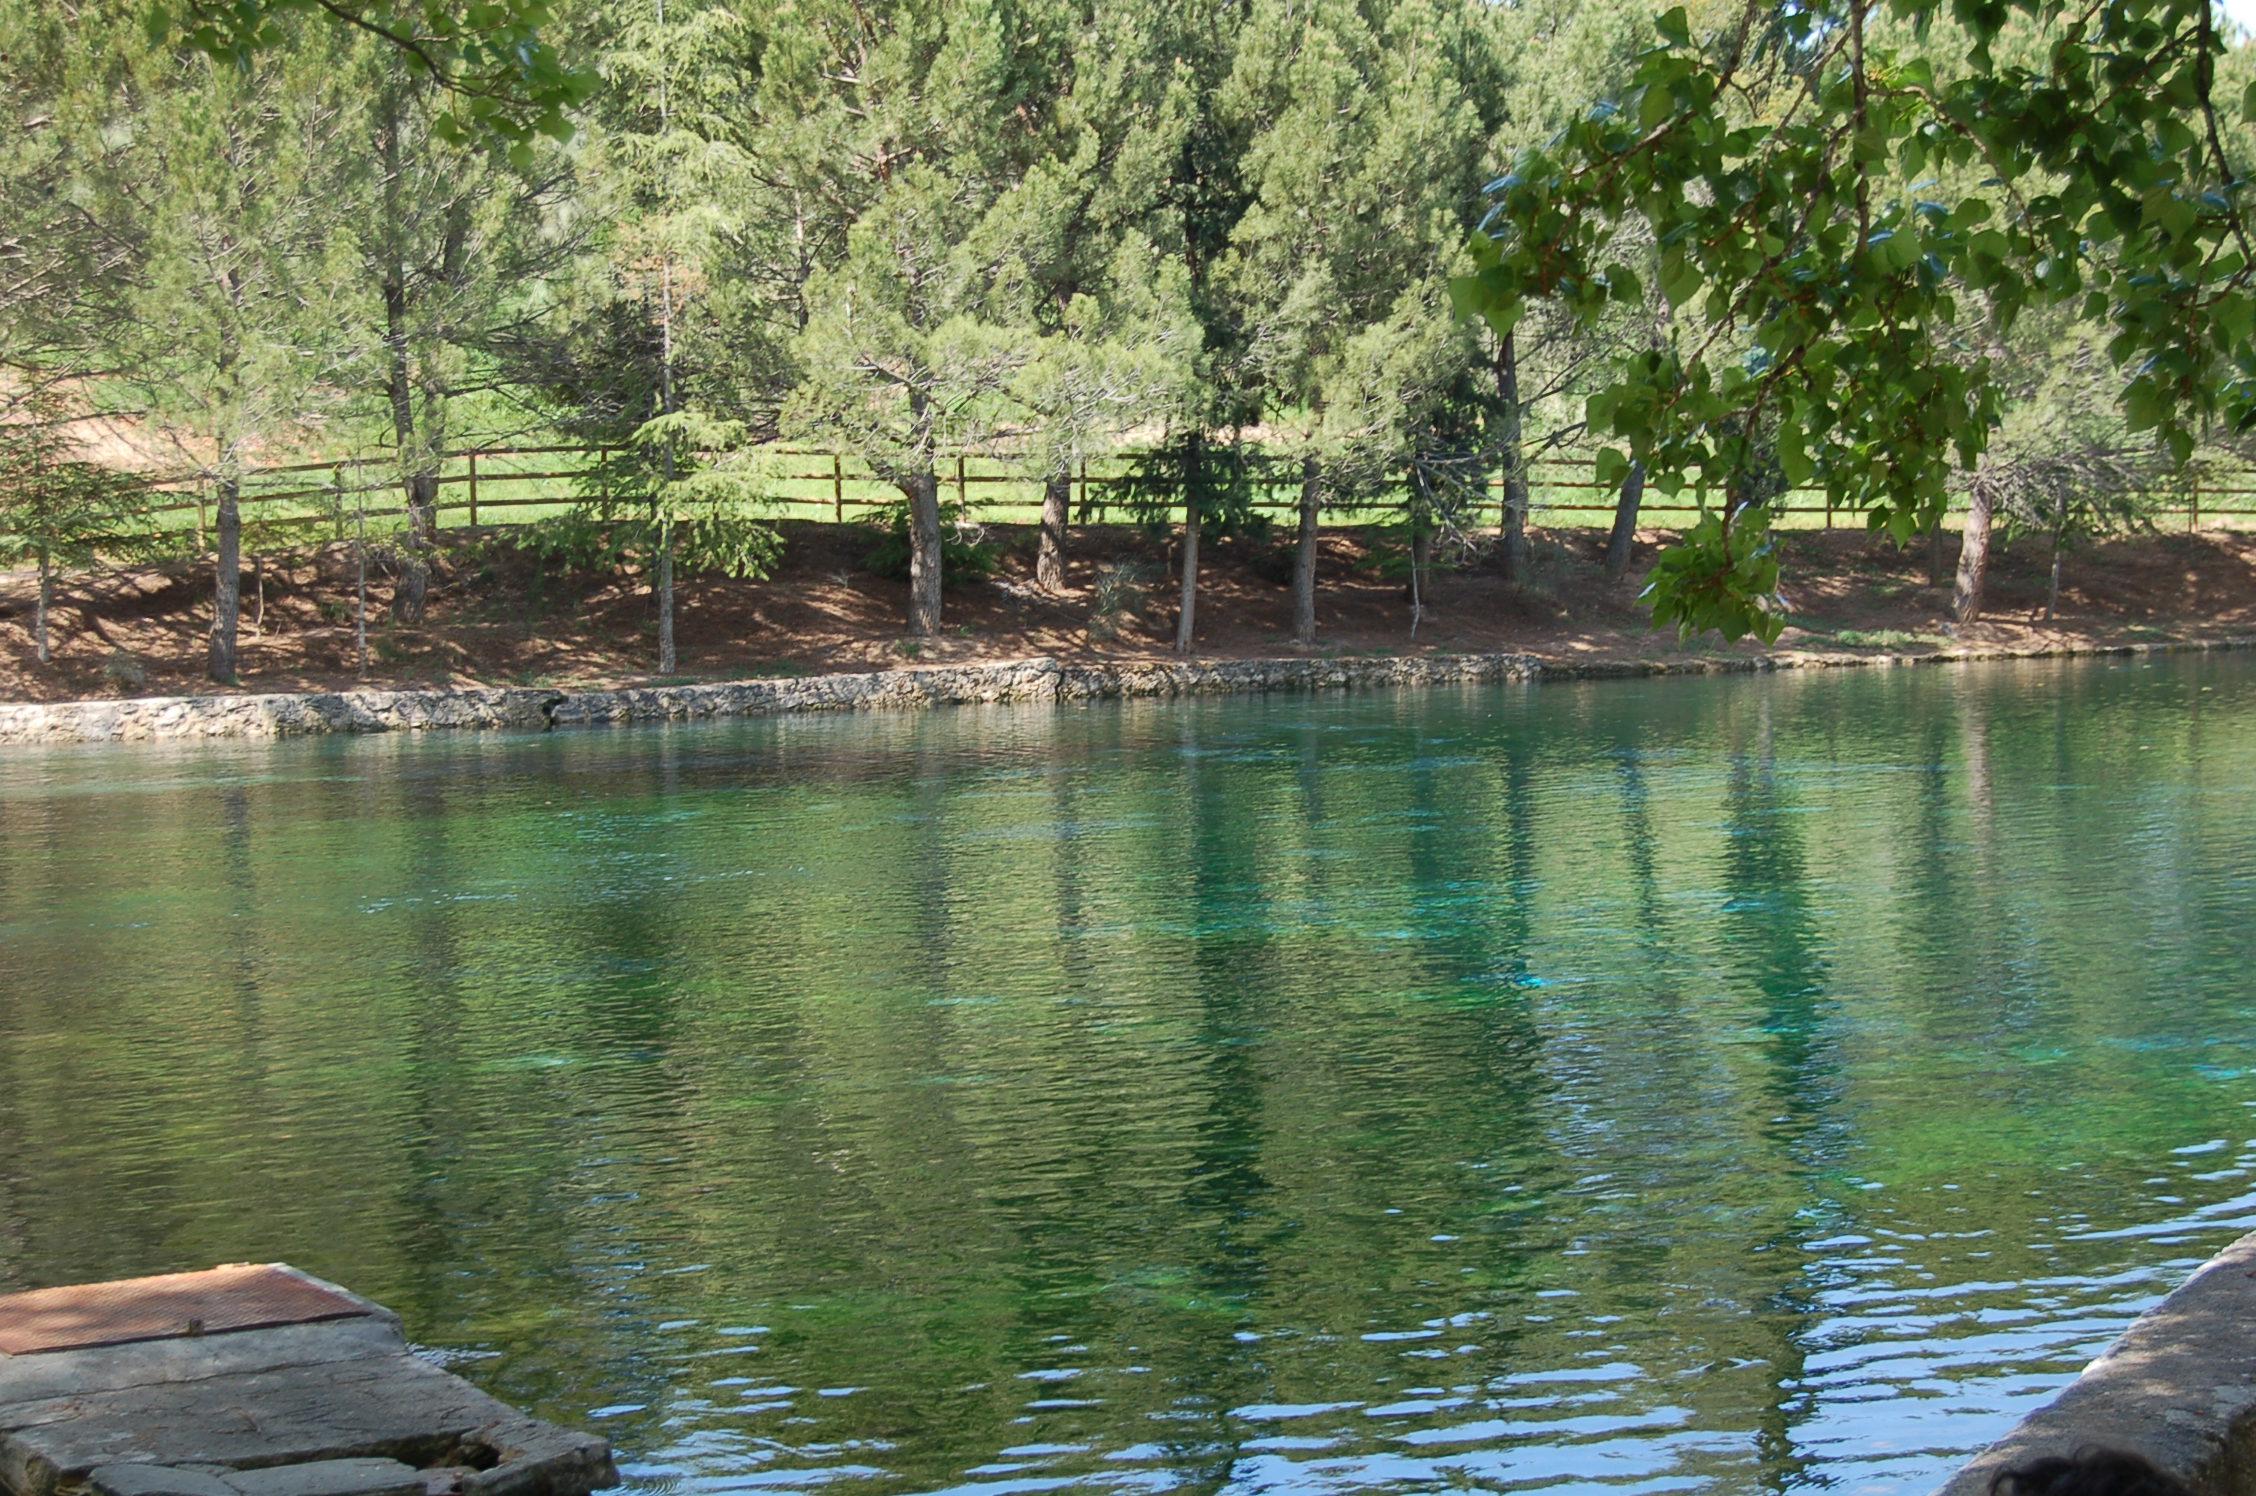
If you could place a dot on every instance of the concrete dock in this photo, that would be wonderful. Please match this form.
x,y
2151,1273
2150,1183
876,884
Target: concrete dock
x,y
254,1380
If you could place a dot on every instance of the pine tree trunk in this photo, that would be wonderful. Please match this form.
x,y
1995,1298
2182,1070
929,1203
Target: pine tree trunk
x,y
1622,543
666,660
1511,434
1304,559
412,594
1049,560
923,491
1937,554
422,484
46,600
2052,593
1973,559
423,505
227,584
1186,615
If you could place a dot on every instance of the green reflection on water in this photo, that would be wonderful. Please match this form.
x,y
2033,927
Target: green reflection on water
x,y
1755,1084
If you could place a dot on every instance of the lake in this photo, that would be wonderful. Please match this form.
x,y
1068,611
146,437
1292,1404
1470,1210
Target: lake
x,y
1756,1084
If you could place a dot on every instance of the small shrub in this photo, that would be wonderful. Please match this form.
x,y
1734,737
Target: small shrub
x,y
1272,563
717,544
124,671
965,550
1120,591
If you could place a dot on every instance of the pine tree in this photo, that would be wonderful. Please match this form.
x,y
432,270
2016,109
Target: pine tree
x,y
1363,159
1103,314
63,252
455,243
56,509
898,130
221,181
663,358
1559,56
1201,467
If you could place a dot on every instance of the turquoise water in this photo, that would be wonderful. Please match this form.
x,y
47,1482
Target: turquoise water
x,y
1765,1084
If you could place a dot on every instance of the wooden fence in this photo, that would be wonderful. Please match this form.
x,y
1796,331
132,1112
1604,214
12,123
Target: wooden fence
x,y
503,485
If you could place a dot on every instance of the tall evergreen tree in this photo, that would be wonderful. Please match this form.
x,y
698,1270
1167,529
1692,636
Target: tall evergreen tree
x,y
1104,314
455,241
1200,465
220,180
900,129
1364,157
657,358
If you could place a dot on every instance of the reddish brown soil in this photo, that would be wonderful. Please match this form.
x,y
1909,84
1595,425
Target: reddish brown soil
x,y
495,618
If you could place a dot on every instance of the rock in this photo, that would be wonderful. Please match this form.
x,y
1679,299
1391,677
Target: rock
x,y
361,1477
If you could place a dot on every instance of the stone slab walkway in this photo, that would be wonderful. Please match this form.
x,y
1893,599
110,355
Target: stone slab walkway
x,y
330,1402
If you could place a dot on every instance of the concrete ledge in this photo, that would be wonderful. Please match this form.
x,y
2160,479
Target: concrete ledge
x,y
2179,1387
1034,680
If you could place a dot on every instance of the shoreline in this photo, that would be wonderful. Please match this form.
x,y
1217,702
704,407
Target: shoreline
x,y
1037,679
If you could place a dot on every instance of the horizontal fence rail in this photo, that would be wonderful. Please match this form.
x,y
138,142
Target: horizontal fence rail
x,y
517,485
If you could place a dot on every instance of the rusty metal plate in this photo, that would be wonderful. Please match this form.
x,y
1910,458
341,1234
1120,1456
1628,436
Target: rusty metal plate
x,y
241,1296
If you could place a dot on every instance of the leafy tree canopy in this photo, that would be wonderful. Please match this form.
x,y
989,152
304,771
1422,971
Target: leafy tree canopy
x,y
1847,212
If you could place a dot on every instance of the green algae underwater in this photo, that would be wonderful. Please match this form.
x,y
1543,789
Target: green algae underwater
x,y
1763,1084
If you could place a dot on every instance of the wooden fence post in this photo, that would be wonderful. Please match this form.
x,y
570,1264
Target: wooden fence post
x,y
1084,486
2193,505
473,490
963,498
837,488
201,522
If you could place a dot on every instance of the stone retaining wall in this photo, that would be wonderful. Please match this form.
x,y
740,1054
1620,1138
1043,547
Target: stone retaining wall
x,y
1037,680
2179,1387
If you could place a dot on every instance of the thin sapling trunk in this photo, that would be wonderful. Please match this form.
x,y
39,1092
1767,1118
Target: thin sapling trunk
x,y
1186,615
1304,558
1511,420
227,584
46,601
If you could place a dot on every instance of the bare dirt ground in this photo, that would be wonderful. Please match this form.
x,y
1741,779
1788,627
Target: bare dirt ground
x,y
497,617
